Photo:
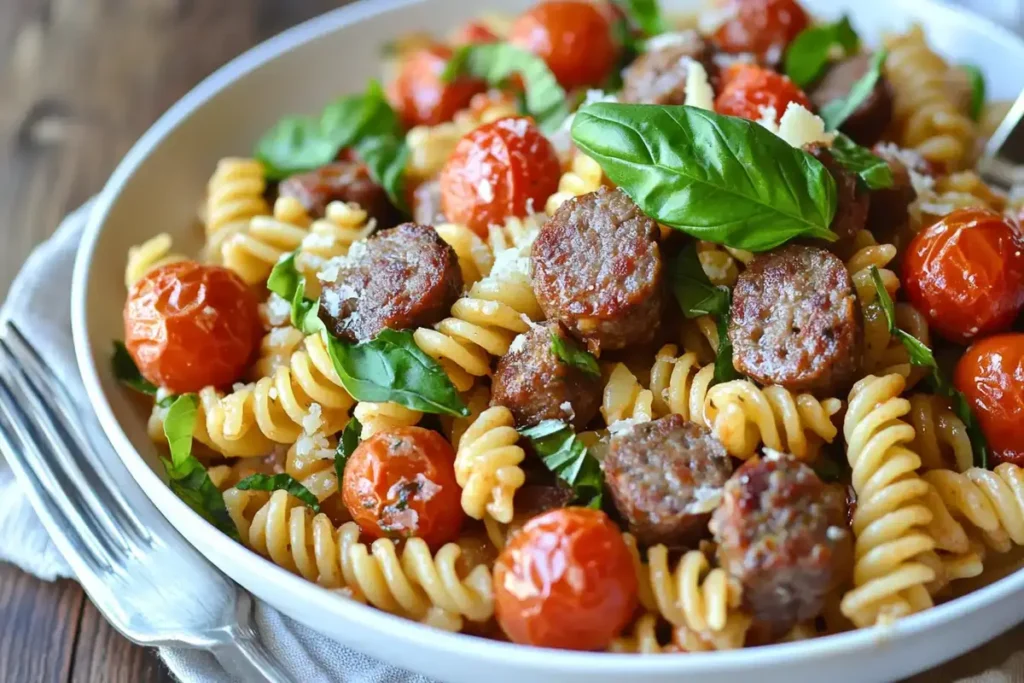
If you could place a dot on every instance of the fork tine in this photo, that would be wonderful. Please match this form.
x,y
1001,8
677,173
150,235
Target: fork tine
x,y
35,432
17,450
51,391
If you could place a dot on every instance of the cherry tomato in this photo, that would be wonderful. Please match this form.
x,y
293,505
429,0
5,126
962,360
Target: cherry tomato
x,y
965,273
748,89
574,37
991,376
189,326
501,169
566,580
421,97
475,33
762,27
400,483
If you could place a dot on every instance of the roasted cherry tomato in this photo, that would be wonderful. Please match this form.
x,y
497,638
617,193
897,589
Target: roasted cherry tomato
x,y
574,37
566,580
501,169
421,97
189,326
991,376
401,483
747,90
475,33
762,27
966,274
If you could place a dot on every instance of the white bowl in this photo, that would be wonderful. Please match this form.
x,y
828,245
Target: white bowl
x,y
157,187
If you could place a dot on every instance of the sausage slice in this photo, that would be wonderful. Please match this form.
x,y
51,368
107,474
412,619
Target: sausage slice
x,y
398,279
795,320
536,385
597,268
341,181
782,533
867,125
853,201
659,75
666,477
889,216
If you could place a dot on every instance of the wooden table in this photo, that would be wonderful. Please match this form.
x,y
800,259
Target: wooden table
x,y
80,81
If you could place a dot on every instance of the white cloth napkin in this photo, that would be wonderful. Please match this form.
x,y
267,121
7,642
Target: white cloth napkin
x,y
38,301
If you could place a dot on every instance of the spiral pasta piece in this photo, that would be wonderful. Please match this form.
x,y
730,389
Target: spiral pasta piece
x,y
868,253
625,399
474,256
276,349
891,518
487,465
680,385
413,584
941,437
343,224
583,177
516,233
379,417
477,401
642,638
482,324
150,255
722,264
931,121
253,251
991,501
234,195
743,417
884,354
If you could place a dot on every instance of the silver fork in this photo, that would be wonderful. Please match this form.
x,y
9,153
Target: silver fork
x,y
145,578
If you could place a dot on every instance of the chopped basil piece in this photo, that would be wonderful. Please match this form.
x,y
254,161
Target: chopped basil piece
x,y
977,81
280,482
572,355
127,373
836,112
813,48
347,444
563,453
873,172
644,14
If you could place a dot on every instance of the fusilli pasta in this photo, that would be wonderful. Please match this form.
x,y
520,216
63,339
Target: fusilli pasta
x,y
487,465
252,251
992,501
583,177
679,385
234,195
343,224
625,399
941,437
378,417
150,255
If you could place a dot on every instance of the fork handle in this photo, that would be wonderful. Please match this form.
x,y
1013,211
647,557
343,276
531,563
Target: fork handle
x,y
245,657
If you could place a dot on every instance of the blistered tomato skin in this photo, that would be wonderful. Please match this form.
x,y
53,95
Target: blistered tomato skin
x,y
747,90
991,376
501,169
965,274
421,97
189,326
400,483
574,38
565,581
762,27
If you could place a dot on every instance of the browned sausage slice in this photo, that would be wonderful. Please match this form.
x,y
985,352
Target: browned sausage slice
x,y
658,76
666,477
782,533
597,268
341,181
890,208
853,201
536,385
795,320
866,125
397,279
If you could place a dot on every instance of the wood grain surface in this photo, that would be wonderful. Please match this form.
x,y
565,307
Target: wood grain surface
x,y
81,80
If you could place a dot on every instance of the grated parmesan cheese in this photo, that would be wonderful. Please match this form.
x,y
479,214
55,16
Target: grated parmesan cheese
x,y
671,39
798,126
518,344
699,92
277,310
331,301
312,421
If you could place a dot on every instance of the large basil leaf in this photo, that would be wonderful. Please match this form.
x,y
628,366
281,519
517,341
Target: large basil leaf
x,y
347,444
187,477
385,157
390,367
813,48
835,113
874,173
294,145
644,14
563,453
495,63
725,370
279,482
718,178
977,81
570,354
921,356
127,373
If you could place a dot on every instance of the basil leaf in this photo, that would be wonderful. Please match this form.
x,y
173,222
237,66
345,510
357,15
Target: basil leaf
x,y
391,367
127,373
836,112
496,62
573,356
812,50
718,178
874,173
692,288
559,449
977,81
187,477
644,14
294,145
287,282
921,356
280,482
725,371
385,157
347,444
